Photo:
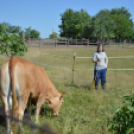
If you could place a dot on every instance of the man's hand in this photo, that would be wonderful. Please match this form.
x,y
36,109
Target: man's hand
x,y
99,60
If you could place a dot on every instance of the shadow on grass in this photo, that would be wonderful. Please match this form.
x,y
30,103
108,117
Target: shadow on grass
x,y
84,86
43,111
43,129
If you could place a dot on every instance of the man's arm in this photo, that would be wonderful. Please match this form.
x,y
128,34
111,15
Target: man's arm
x,y
106,62
96,60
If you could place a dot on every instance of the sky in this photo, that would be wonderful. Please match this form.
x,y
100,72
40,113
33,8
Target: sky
x,y
44,15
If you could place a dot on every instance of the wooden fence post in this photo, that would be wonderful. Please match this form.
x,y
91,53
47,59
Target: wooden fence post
x,y
68,42
87,42
29,41
56,43
40,44
23,35
73,67
124,43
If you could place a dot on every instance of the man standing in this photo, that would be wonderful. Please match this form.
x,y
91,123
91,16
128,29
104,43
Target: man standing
x,y
101,62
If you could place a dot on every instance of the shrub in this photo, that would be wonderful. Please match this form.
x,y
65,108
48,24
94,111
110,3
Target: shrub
x,y
123,119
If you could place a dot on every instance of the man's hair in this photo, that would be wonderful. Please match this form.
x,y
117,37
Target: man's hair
x,y
98,46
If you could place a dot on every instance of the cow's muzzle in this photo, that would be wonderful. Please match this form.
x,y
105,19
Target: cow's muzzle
x,y
55,114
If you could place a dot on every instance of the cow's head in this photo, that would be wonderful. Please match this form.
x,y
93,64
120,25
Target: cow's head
x,y
55,103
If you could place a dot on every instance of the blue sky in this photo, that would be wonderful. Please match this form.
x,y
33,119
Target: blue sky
x,y
44,15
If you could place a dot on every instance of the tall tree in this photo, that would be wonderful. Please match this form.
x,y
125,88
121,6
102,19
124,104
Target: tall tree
x,y
103,25
73,23
123,28
123,22
35,33
67,26
82,23
31,33
121,11
54,35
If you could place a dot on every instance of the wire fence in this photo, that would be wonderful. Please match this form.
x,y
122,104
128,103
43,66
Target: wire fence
x,y
120,57
34,128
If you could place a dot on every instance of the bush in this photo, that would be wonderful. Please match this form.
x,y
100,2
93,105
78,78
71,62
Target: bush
x,y
11,43
123,119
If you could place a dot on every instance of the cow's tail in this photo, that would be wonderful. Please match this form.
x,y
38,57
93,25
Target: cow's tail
x,y
15,101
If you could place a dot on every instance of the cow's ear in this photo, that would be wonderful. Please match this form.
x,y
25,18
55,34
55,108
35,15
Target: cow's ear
x,y
62,95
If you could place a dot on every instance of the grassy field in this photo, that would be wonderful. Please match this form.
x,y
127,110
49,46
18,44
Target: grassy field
x,y
85,111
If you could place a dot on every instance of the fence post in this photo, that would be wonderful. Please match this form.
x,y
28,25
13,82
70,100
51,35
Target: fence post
x,y
56,43
23,35
40,44
73,67
29,41
87,42
76,41
68,42
124,43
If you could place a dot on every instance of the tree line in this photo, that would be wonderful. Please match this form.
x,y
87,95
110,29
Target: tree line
x,y
109,24
29,32
106,24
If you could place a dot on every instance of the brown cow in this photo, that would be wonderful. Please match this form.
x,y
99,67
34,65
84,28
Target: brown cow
x,y
27,80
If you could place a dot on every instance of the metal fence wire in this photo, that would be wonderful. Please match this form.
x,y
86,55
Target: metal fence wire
x,y
34,128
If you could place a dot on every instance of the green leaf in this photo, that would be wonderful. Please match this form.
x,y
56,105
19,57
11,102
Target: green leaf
x,y
16,48
130,130
25,49
15,42
2,28
21,53
117,110
9,35
2,49
133,93
131,108
2,36
125,96
9,42
16,35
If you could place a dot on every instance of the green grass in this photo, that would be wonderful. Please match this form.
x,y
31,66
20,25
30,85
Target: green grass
x,y
85,111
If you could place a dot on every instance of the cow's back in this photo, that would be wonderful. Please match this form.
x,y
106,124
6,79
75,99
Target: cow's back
x,y
24,74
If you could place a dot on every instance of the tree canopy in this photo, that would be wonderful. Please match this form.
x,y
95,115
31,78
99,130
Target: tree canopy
x,y
54,35
74,23
11,43
29,32
115,23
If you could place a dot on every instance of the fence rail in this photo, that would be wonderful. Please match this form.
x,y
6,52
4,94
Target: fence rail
x,y
67,42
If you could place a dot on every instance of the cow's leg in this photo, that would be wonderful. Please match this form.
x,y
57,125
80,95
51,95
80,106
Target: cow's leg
x,y
22,105
29,105
38,106
8,112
